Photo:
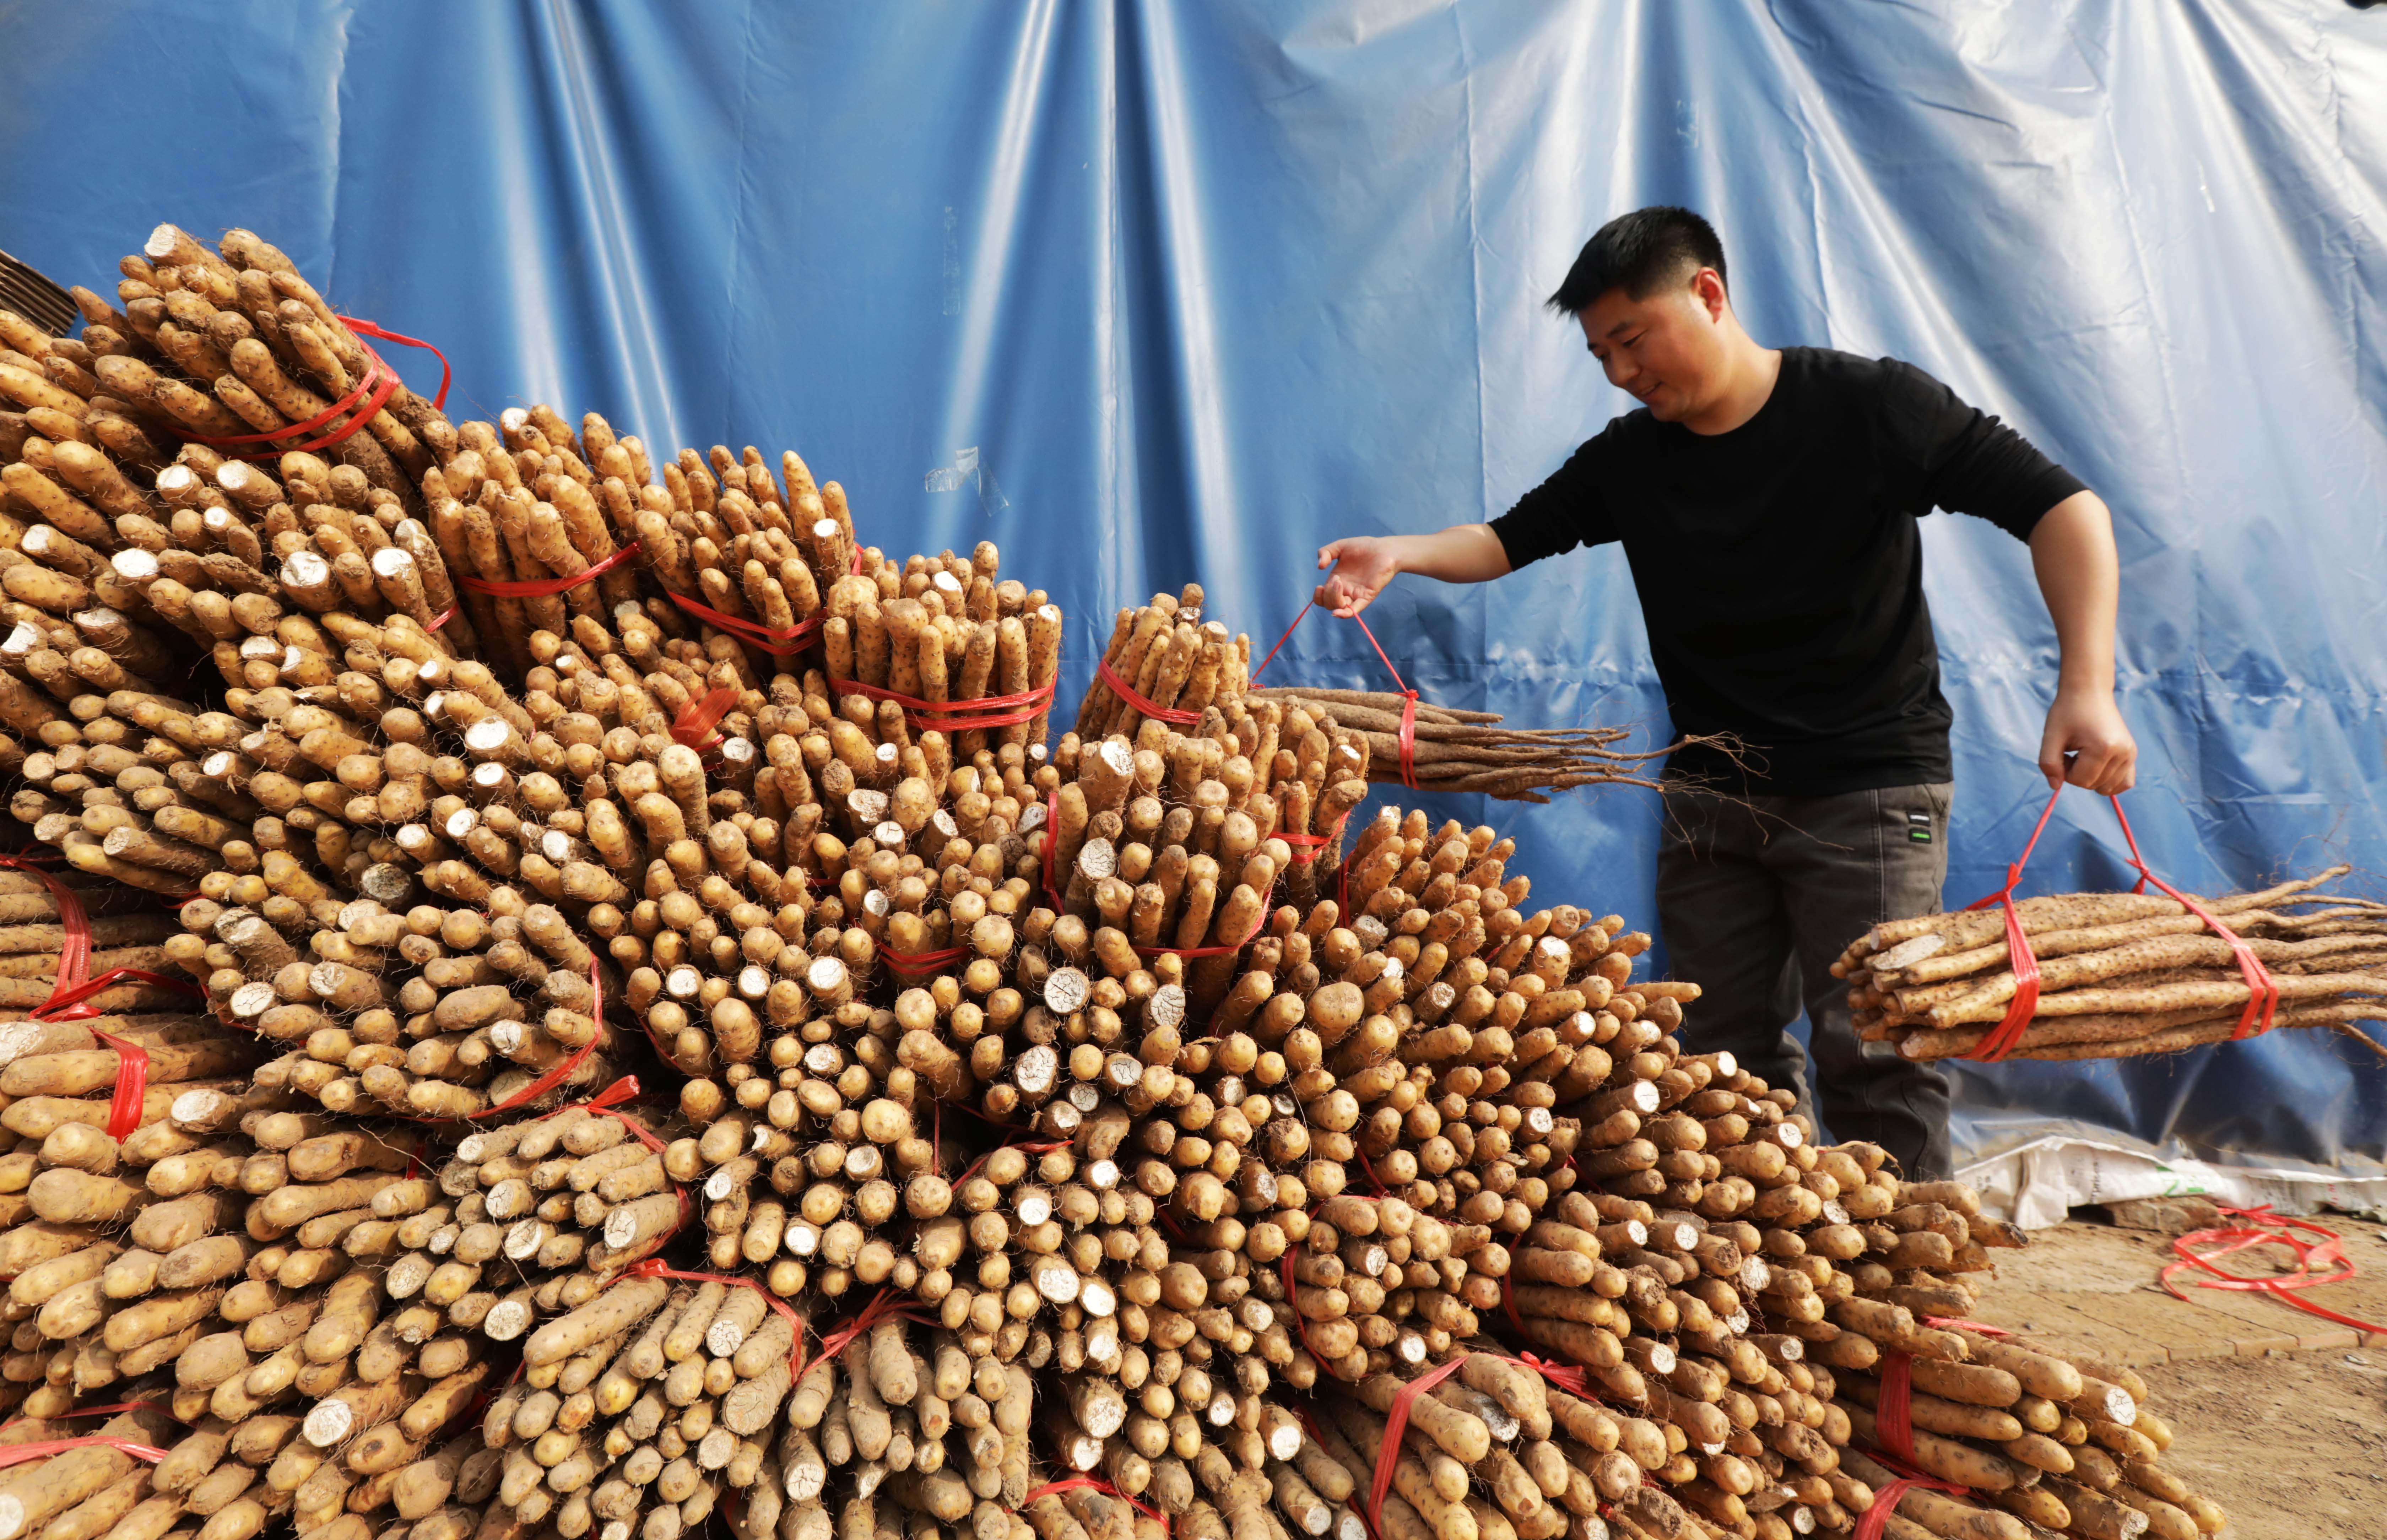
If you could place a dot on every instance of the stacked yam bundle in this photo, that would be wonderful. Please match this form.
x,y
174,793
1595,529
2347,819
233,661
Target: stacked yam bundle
x,y
2120,973
667,1055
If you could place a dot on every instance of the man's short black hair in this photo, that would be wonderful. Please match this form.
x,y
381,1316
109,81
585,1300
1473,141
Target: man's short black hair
x,y
1640,252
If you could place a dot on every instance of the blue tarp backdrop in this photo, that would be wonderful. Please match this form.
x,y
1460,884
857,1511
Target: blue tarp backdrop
x,y
1148,291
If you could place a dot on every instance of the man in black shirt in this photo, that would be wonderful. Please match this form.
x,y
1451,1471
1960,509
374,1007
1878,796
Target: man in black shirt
x,y
1767,500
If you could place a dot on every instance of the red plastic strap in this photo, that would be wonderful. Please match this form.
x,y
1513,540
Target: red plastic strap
x,y
531,588
1893,1414
366,328
17,1454
132,1084
1306,846
1958,1323
1396,1422
564,1067
1052,844
68,1004
1104,1487
2268,1229
1876,1518
366,397
1376,1188
696,724
887,1305
920,965
946,716
1508,1308
653,1267
2007,1034
443,617
1571,1377
2262,991
1125,690
780,641
1408,735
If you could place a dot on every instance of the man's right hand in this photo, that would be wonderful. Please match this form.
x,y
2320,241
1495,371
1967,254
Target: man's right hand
x,y
1362,564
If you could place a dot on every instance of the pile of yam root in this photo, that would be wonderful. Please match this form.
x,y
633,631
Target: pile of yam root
x,y
633,1081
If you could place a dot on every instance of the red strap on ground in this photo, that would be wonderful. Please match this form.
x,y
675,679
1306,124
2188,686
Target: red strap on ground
x,y
1408,736
564,1067
780,641
2003,1038
653,1267
1396,1422
1893,1414
953,717
532,587
1125,690
1106,1488
2267,1228
1876,1518
920,965
17,1454
695,725
366,328
2262,991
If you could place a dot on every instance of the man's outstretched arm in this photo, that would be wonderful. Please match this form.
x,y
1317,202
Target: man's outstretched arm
x,y
2072,551
1363,564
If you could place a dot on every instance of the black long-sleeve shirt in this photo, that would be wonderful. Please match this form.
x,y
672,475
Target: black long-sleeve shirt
x,y
1780,569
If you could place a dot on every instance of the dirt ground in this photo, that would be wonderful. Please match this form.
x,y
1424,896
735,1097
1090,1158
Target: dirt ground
x,y
2294,1445
2280,1417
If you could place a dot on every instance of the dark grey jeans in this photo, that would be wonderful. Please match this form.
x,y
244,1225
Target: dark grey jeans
x,y
1758,899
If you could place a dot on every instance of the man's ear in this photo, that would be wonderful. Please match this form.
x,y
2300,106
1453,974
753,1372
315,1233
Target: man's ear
x,y
1708,285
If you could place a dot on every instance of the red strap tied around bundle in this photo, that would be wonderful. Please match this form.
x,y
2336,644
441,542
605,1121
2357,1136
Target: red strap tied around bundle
x,y
1376,1188
1893,1416
1875,1521
954,716
1306,846
73,989
1052,843
532,587
606,1104
779,641
1958,1323
1408,736
110,1411
366,397
653,1266
1509,1305
1309,1426
564,1066
1396,1422
920,965
887,1305
17,1454
444,616
1571,1378
2262,991
1106,1488
694,726
1125,690
2263,1228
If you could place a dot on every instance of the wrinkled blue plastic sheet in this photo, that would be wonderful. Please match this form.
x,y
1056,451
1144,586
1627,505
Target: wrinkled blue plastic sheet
x,y
1151,292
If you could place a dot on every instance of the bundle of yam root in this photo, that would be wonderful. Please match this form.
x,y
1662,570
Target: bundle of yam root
x,y
634,1079
1177,664
2120,973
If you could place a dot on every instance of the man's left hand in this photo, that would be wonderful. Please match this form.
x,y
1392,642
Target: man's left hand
x,y
2087,725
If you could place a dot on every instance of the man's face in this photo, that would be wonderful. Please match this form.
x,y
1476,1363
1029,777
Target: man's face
x,y
1667,348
